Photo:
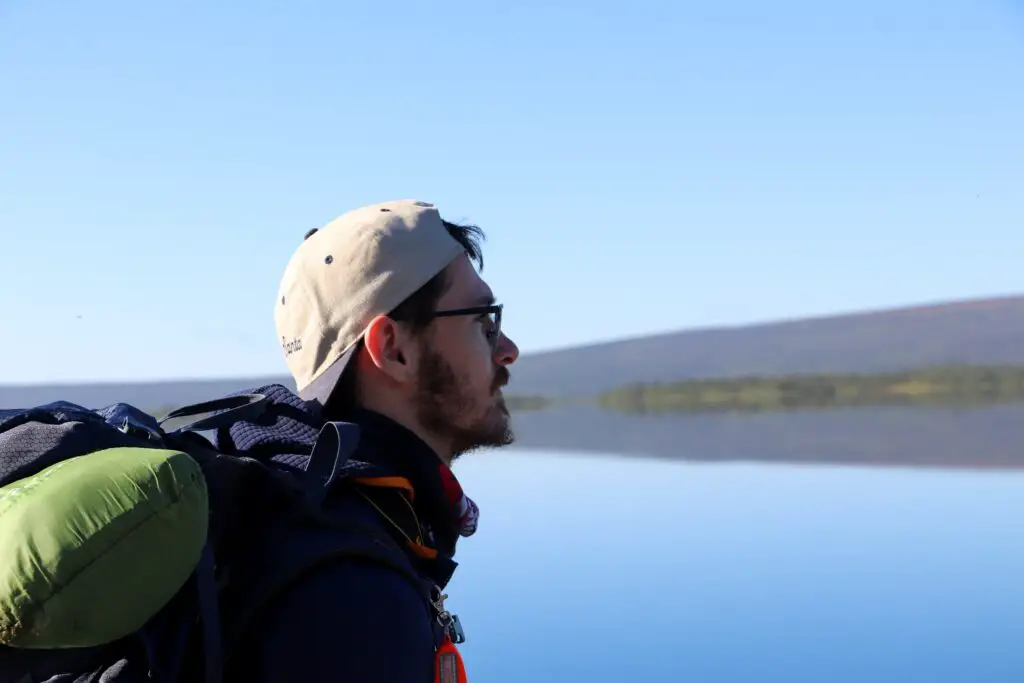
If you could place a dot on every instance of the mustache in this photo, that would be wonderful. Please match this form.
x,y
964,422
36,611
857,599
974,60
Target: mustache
x,y
501,378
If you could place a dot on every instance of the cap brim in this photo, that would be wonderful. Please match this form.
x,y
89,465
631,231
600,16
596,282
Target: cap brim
x,y
320,389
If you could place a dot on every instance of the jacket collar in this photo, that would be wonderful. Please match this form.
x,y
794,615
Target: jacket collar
x,y
392,447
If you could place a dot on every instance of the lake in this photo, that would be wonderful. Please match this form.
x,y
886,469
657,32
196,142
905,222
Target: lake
x,y
591,567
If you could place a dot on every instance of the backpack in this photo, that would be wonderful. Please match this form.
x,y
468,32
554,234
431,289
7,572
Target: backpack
x,y
126,546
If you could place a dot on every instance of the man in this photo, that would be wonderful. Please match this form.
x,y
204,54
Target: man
x,y
385,323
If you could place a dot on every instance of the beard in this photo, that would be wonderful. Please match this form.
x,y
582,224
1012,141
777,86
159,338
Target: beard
x,y
446,409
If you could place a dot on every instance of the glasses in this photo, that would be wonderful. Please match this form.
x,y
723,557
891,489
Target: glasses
x,y
494,323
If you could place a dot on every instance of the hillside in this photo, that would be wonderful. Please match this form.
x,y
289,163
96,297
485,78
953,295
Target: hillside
x,y
986,331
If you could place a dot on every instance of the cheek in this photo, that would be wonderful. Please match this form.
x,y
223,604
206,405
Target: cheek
x,y
476,363
469,356
471,347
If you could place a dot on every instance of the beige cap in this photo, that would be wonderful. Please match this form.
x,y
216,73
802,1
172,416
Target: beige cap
x,y
362,264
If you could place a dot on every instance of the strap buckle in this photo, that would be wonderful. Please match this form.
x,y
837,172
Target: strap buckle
x,y
449,622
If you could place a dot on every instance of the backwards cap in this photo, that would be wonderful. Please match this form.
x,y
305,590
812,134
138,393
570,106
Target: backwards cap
x,y
362,264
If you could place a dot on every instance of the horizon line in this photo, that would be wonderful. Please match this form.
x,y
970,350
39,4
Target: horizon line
x,y
274,377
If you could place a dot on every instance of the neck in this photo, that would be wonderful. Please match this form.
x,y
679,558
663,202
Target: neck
x,y
440,447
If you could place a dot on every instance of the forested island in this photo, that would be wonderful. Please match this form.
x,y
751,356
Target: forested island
x,y
935,386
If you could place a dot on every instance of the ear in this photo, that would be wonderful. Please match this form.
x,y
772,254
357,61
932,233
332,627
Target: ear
x,y
389,348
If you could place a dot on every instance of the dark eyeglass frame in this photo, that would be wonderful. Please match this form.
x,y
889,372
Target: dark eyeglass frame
x,y
477,310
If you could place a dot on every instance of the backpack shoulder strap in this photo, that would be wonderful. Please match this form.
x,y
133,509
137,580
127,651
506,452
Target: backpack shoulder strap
x,y
226,411
334,446
209,617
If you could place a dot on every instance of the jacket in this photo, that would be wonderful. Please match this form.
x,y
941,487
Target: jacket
x,y
347,620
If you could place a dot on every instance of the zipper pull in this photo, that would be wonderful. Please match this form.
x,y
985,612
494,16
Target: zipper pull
x,y
448,665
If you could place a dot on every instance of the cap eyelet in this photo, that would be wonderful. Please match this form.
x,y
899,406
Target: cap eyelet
x,y
329,259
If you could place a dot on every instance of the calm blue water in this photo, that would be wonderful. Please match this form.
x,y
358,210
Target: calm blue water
x,y
607,569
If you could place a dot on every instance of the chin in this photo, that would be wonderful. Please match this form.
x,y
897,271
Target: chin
x,y
501,411
497,419
503,425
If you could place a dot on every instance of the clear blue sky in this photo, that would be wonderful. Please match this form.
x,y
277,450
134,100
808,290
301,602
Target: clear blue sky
x,y
638,166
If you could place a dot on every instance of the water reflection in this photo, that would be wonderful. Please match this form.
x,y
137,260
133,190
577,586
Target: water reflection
x,y
991,437
601,569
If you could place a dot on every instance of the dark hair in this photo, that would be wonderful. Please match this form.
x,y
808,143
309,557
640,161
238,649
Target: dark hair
x,y
416,311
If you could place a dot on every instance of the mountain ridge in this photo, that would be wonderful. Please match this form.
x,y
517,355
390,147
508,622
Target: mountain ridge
x,y
959,332
905,309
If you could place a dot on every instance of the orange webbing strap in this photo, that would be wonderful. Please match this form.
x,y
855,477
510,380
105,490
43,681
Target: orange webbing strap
x,y
388,483
448,666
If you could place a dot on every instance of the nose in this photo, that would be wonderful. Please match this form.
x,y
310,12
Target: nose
x,y
506,351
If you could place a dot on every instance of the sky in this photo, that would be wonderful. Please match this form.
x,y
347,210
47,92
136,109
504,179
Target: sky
x,y
637,167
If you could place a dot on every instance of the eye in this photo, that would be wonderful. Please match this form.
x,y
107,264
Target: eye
x,y
487,320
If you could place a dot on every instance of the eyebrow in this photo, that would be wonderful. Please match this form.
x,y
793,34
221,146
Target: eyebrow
x,y
484,300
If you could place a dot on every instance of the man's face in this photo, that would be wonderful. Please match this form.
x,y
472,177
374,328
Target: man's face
x,y
462,367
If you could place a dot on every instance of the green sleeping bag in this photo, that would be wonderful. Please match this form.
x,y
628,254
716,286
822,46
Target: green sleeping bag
x,y
92,547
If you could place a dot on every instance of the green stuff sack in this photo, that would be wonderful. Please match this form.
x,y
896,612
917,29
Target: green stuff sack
x,y
92,547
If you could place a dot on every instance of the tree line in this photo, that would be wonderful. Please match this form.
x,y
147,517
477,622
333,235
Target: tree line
x,y
938,386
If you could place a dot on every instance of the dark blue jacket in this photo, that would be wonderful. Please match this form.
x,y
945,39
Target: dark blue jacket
x,y
347,621
350,620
